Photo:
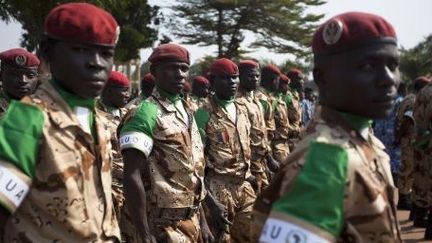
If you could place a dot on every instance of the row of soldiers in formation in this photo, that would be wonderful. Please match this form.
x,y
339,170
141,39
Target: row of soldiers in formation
x,y
226,168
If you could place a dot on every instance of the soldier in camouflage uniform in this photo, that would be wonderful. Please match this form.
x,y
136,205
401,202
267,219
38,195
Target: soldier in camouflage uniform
x,y
225,129
405,134
337,185
294,104
19,74
260,149
280,142
55,146
163,157
112,104
422,184
200,92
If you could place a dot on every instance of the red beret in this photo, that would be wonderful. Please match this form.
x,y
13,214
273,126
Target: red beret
x,y
148,78
169,52
294,73
201,80
82,22
422,80
271,68
223,66
118,79
20,58
351,30
248,64
284,79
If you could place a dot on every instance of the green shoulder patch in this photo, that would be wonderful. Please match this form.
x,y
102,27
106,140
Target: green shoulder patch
x,y
202,117
144,120
316,195
20,132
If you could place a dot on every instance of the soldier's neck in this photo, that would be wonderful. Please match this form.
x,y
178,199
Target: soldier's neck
x,y
171,97
356,122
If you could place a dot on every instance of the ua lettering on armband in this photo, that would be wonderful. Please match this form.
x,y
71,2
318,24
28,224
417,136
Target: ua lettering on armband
x,y
283,228
14,186
136,140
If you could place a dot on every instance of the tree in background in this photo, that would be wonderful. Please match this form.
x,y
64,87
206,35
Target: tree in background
x,y
282,26
417,61
134,17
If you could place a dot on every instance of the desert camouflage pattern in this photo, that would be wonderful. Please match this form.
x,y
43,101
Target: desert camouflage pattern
x,y
294,117
70,197
370,197
238,197
266,99
406,137
279,144
422,184
114,118
177,159
258,137
228,150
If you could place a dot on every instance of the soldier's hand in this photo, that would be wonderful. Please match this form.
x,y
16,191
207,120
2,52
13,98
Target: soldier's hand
x,y
207,236
272,164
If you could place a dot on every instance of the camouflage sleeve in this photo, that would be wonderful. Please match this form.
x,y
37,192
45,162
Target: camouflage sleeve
x,y
298,215
138,131
20,132
201,118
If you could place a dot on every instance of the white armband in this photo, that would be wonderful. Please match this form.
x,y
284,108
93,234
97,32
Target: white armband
x,y
279,230
14,186
136,140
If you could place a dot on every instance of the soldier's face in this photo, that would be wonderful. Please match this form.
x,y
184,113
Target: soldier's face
x,y
171,76
298,84
201,90
18,82
82,69
116,96
283,87
249,78
363,82
225,87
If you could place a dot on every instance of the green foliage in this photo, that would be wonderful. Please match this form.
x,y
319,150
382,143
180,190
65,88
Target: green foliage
x,y
417,61
200,67
134,17
282,26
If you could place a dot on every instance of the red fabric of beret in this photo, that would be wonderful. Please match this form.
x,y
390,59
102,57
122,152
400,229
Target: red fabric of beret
x,y
272,68
82,22
19,57
422,80
351,30
285,79
223,67
148,78
118,79
248,64
294,73
201,80
169,52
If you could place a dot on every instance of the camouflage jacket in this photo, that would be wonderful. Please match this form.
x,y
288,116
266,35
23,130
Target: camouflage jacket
x,y
295,113
405,112
114,118
227,143
258,132
268,104
281,119
173,147
67,175
336,187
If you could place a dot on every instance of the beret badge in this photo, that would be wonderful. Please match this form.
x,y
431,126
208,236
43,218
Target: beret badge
x,y
20,60
117,34
332,32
